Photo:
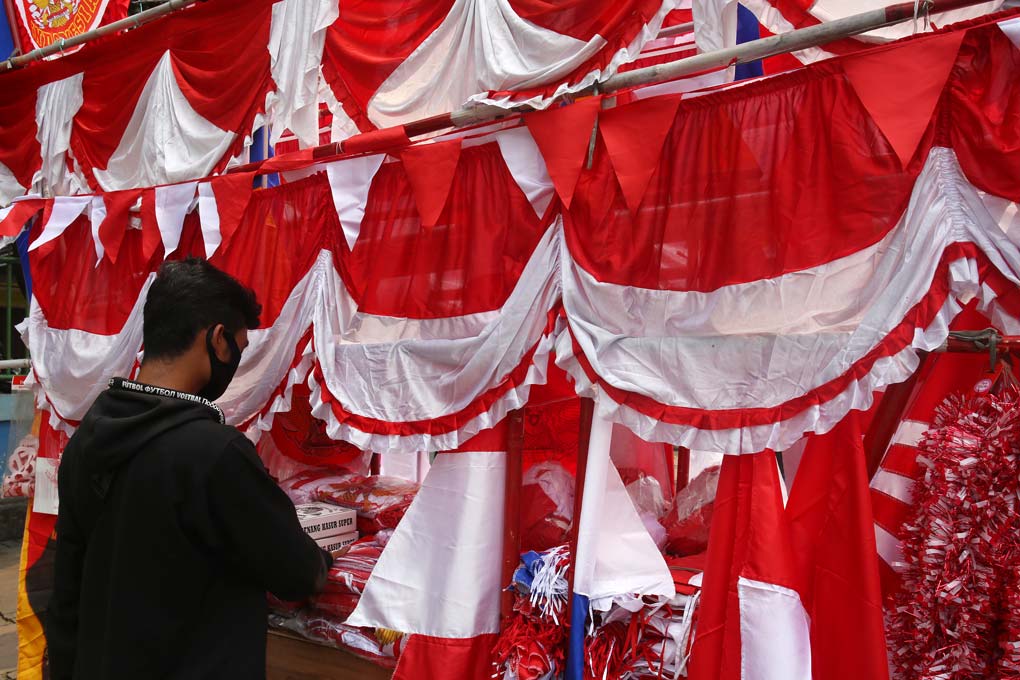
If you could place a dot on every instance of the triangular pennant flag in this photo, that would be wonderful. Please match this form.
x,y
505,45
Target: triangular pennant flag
x,y
524,160
171,205
1011,28
563,134
14,216
221,204
350,181
634,135
430,169
58,215
901,85
112,216
150,226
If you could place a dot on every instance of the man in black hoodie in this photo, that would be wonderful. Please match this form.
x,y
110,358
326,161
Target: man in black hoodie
x,y
170,531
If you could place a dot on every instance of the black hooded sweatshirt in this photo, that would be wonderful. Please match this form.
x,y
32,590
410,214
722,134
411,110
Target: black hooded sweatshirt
x,y
170,531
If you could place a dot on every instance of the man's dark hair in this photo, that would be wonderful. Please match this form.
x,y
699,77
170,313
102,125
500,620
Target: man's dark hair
x,y
189,296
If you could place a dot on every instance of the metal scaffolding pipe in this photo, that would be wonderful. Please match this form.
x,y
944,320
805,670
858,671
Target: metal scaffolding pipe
x,y
124,24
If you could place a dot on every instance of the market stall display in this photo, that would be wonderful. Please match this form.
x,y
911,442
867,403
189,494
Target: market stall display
x,y
703,283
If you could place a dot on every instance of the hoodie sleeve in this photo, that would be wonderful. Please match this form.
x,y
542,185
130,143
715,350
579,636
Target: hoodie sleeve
x,y
61,618
259,526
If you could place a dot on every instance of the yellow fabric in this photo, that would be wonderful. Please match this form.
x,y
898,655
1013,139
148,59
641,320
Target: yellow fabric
x,y
31,641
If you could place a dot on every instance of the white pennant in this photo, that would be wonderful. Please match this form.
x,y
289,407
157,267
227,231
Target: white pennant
x,y
66,209
350,181
525,162
173,203
97,213
1011,28
209,216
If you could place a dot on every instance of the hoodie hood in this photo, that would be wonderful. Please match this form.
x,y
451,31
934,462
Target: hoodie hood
x,y
122,422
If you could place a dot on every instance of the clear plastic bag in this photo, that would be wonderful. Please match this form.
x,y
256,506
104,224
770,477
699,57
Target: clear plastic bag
x,y
688,523
380,501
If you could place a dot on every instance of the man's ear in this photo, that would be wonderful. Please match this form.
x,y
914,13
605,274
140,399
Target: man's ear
x,y
219,343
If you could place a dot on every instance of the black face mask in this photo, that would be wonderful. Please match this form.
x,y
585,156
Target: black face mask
x,y
220,373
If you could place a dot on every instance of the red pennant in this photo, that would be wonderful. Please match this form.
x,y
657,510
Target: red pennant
x,y
430,169
563,135
233,193
18,214
151,238
900,86
634,135
116,223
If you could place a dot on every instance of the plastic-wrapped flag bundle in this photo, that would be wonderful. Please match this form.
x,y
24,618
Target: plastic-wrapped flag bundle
x,y
380,501
348,576
532,642
380,647
652,642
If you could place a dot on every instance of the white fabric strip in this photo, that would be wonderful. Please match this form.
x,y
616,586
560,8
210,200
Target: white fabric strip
x,y
909,432
775,633
173,203
66,209
209,216
56,105
350,181
481,45
297,36
453,535
892,484
1012,30
166,140
525,162
10,188
97,213
622,56
889,548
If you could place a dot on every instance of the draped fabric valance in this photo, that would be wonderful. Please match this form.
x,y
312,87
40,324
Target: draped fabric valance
x,y
733,270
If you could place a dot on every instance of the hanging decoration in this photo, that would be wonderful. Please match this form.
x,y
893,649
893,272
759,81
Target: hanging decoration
x,y
956,617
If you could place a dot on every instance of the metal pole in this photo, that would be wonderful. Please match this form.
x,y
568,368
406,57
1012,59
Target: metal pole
x,y
15,34
82,38
14,363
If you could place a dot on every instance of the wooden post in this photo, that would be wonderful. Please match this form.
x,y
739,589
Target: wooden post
x,y
683,467
512,508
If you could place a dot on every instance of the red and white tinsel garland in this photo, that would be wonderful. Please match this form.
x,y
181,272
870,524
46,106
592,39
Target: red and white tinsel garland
x,y
958,615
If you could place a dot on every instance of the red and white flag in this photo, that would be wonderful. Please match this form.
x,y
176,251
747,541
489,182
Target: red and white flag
x,y
452,535
40,23
751,600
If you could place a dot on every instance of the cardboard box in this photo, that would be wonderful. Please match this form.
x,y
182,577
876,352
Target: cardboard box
x,y
322,520
334,543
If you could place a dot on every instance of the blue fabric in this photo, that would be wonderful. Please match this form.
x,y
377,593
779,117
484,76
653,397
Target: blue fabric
x,y
524,576
6,33
575,645
21,244
747,30
262,150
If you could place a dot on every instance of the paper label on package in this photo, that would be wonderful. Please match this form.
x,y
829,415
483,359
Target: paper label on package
x,y
335,543
46,496
322,520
